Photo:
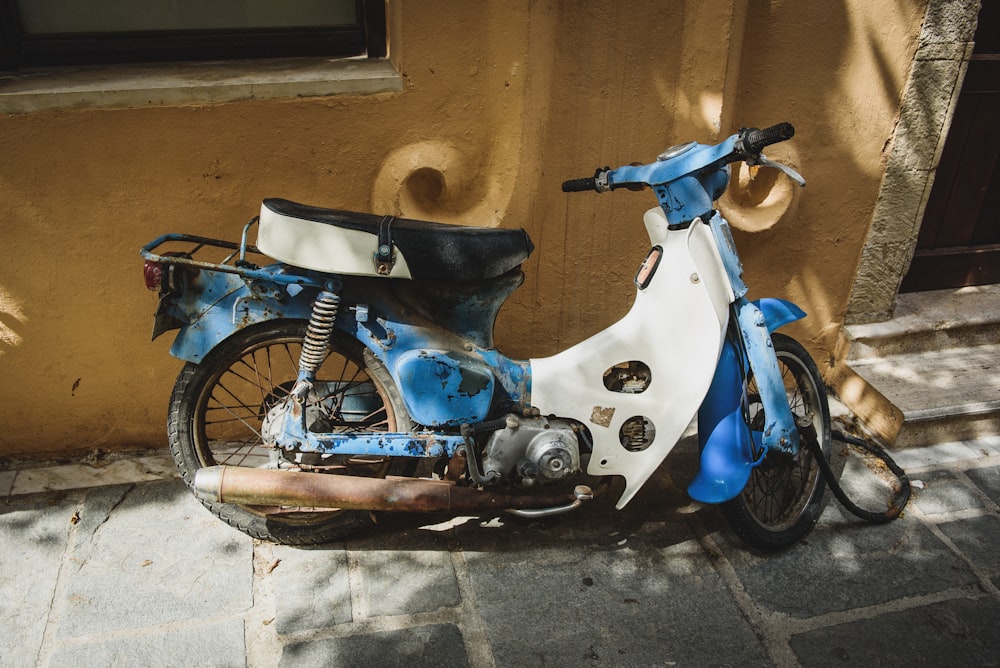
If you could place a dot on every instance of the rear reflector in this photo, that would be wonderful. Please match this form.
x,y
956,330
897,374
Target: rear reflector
x,y
152,273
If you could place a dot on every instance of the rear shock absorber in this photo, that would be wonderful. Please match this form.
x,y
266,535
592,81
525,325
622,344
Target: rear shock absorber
x,y
286,425
317,340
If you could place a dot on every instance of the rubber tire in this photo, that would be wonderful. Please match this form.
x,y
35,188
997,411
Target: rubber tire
x,y
186,421
802,509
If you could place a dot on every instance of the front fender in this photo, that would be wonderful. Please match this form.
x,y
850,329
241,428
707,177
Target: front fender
x,y
778,312
724,440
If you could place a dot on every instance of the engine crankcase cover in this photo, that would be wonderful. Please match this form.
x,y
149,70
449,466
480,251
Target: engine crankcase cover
x,y
534,448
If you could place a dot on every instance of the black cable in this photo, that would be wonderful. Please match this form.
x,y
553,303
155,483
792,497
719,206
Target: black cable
x,y
897,503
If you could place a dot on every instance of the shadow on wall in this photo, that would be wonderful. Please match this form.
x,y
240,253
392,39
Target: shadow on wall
x,y
838,77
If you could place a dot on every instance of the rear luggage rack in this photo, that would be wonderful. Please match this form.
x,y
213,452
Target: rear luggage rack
x,y
183,248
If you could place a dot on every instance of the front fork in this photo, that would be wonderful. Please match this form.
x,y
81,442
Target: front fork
x,y
729,447
780,431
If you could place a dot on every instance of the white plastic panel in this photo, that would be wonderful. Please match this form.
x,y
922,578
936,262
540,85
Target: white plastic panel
x,y
676,327
321,247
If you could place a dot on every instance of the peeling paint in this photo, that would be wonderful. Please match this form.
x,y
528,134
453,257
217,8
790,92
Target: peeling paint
x,y
601,415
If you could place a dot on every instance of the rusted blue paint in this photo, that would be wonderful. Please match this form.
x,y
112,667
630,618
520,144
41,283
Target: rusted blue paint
x,y
514,378
443,388
685,185
294,436
780,431
215,304
444,379
447,371
210,301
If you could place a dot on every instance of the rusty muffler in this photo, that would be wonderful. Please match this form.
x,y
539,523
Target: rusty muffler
x,y
270,487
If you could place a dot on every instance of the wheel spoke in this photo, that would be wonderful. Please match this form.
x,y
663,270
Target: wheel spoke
x,y
223,404
780,502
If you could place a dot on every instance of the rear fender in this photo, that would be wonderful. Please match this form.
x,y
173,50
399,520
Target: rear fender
x,y
725,442
213,305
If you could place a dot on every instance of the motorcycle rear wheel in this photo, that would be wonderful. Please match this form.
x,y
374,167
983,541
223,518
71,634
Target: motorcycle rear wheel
x,y
784,496
217,408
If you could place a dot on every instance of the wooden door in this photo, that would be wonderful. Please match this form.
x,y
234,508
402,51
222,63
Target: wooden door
x,y
959,241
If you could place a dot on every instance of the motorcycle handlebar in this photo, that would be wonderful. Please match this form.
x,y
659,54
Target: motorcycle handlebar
x,y
748,146
755,140
579,185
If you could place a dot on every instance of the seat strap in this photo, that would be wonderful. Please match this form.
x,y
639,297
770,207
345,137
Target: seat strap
x,y
384,257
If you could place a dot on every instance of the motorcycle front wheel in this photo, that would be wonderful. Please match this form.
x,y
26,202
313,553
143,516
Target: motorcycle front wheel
x,y
218,406
784,496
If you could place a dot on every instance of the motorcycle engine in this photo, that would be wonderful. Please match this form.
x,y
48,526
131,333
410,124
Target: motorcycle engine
x,y
533,449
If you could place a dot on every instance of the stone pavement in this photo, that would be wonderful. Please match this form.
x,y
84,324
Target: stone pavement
x,y
137,573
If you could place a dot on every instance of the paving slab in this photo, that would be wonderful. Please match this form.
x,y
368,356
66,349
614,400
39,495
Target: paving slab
x,y
312,587
33,536
988,480
845,564
978,538
7,482
944,492
936,455
141,574
214,644
432,646
865,479
405,581
149,554
987,446
593,605
960,632
98,473
605,587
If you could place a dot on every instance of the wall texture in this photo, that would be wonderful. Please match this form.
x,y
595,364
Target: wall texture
x,y
500,103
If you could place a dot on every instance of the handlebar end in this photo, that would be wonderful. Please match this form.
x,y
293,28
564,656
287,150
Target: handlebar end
x,y
755,140
579,185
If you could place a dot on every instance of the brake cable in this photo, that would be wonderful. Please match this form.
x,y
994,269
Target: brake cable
x,y
898,501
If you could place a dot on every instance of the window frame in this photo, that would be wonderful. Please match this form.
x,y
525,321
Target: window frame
x,y
19,50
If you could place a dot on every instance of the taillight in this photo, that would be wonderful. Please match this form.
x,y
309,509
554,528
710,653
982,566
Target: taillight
x,y
152,273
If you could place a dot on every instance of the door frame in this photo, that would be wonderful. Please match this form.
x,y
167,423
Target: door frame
x,y
939,65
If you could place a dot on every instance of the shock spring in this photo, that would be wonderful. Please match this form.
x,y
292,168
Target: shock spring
x,y
318,333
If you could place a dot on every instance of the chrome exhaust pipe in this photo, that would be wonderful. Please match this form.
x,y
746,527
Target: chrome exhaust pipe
x,y
270,487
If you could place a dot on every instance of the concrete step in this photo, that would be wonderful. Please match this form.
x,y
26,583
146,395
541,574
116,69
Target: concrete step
x,y
936,396
926,321
928,375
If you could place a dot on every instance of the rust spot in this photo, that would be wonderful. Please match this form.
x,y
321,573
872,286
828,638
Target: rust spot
x,y
456,466
602,415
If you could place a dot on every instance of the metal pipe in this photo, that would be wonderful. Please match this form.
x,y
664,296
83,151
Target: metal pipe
x,y
270,487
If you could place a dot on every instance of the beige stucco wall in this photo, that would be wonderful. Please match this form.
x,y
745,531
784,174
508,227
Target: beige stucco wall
x,y
500,103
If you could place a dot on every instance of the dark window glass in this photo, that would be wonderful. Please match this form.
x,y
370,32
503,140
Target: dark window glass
x,y
75,32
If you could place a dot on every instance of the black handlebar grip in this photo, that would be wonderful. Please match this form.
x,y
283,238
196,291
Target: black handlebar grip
x,y
579,185
755,140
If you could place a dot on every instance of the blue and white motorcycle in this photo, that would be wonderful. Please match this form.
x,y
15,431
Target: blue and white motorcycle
x,y
345,365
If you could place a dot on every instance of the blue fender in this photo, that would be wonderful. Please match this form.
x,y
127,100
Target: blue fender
x,y
725,442
219,304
